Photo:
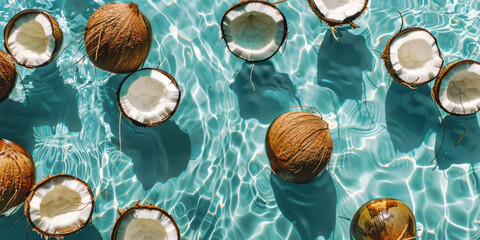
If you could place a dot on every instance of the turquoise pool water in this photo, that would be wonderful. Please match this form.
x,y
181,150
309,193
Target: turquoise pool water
x,y
207,165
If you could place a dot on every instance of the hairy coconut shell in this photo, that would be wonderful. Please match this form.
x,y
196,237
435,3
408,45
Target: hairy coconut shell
x,y
298,146
383,219
140,206
388,62
118,37
57,34
336,23
17,174
40,184
8,75
438,83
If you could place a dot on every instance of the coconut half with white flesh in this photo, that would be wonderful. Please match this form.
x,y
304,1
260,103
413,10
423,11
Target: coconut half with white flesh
x,y
148,97
33,38
457,89
59,205
412,57
254,30
145,222
338,12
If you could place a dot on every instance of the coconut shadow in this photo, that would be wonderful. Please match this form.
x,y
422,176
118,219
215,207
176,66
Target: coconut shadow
x,y
311,206
158,153
274,92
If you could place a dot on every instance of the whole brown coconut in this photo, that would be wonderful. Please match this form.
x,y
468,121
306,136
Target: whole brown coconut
x,y
298,146
383,219
8,75
17,174
118,37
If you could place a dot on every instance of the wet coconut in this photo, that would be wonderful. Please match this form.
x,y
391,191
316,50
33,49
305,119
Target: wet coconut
x,y
298,146
8,75
383,219
254,30
118,37
59,205
412,57
33,38
144,222
17,174
338,12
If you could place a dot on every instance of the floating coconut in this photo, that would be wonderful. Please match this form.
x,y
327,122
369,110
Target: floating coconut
x,y
59,205
412,57
148,97
17,174
33,38
383,219
254,30
142,222
8,75
457,89
298,146
118,37
338,13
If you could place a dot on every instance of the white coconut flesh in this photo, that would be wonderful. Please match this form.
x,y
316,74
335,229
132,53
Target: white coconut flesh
x,y
60,206
339,10
31,39
148,96
459,92
415,57
146,224
254,31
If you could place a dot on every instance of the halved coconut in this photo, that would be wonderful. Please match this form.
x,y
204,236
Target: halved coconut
x,y
33,38
457,89
144,222
59,205
338,12
254,30
412,57
148,97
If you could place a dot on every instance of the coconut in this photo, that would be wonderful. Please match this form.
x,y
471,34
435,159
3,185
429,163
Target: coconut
x,y
338,12
17,174
383,219
118,37
148,97
254,30
59,205
298,146
8,75
144,222
412,57
33,38
457,89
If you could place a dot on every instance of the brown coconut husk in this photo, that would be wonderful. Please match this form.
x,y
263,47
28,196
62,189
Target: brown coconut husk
x,y
44,181
118,37
383,219
438,83
156,123
17,174
125,213
57,34
388,62
299,146
8,75
335,23
245,2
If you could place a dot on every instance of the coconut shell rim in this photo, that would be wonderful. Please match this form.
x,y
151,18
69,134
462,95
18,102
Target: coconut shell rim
x,y
336,23
285,34
9,60
39,184
388,63
137,123
55,27
141,206
438,82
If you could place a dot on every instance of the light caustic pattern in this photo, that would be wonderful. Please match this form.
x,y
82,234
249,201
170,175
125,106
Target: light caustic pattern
x,y
385,135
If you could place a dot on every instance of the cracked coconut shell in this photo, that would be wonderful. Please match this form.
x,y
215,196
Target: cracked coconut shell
x,y
8,75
